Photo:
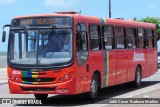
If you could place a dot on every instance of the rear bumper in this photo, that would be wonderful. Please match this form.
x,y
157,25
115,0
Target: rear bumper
x,y
66,88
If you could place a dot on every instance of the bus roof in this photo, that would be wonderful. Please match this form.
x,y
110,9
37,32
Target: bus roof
x,y
90,19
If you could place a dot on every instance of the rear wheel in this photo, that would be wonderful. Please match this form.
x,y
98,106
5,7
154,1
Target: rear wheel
x,y
41,96
137,83
94,87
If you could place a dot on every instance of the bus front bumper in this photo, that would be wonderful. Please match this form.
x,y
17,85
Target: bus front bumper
x,y
66,88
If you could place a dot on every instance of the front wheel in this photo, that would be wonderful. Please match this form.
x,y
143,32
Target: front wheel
x,y
41,96
94,87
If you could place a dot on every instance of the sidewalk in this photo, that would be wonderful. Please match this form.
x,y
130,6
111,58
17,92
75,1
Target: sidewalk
x,y
3,76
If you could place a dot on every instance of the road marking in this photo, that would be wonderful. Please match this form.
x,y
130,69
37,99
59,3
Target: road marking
x,y
139,91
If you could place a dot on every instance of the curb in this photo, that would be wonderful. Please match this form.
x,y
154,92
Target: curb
x,y
2,83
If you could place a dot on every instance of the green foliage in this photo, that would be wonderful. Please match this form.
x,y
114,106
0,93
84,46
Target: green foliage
x,y
3,53
153,20
135,19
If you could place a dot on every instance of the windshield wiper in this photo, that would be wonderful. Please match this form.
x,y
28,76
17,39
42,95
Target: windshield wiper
x,y
27,31
56,27
50,31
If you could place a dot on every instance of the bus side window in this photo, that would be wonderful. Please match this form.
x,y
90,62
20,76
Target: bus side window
x,y
119,37
95,37
140,38
81,44
130,36
107,32
149,38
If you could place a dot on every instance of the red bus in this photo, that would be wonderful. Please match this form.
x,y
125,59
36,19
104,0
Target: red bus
x,y
68,53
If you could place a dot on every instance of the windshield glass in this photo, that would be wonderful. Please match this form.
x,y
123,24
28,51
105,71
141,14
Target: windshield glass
x,y
40,47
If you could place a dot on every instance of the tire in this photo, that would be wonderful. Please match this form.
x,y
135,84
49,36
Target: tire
x,y
41,96
137,82
94,87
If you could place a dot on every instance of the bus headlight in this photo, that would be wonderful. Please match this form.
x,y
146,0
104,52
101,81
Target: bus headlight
x,y
60,79
15,75
66,76
16,79
12,76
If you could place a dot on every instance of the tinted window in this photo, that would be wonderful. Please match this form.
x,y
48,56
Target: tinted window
x,y
141,38
107,32
150,38
130,35
119,36
95,38
81,44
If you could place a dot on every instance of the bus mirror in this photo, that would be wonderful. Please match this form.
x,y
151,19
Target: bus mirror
x,y
4,36
4,33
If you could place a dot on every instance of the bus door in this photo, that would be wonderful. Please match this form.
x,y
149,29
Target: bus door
x,y
82,57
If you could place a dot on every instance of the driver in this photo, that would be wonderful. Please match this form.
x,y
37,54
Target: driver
x,y
51,47
66,46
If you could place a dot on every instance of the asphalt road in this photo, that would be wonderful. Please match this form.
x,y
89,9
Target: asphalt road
x,y
150,89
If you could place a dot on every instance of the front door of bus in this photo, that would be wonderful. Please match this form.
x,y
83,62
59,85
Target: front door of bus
x,y
82,57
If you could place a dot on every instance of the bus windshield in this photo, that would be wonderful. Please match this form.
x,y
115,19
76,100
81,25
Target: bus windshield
x,y
40,47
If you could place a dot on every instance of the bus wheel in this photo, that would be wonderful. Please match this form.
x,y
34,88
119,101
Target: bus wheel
x,y
94,87
137,82
41,96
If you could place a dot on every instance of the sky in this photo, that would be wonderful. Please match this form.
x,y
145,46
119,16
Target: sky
x,y
127,9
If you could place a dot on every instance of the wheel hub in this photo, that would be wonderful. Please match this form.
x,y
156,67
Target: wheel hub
x,y
93,86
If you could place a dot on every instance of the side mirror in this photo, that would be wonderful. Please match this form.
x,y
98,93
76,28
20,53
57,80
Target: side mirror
x,y
4,33
4,36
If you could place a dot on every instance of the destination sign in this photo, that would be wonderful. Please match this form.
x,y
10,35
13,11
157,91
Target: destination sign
x,y
46,21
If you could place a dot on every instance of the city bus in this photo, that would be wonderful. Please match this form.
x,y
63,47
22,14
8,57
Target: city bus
x,y
67,53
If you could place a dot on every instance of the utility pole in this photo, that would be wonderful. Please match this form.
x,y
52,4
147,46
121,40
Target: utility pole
x,y
109,8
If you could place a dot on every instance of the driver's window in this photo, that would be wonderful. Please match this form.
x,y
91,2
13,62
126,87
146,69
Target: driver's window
x,y
81,43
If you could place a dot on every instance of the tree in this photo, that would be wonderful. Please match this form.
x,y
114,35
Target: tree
x,y
153,20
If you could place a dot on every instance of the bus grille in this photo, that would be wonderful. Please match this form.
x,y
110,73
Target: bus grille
x,y
38,79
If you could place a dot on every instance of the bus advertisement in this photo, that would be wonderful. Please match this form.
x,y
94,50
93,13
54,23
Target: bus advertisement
x,y
68,53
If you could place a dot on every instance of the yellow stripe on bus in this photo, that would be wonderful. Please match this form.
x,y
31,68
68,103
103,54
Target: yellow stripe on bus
x,y
107,69
35,83
34,75
105,20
